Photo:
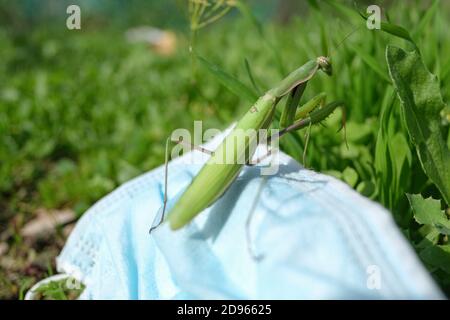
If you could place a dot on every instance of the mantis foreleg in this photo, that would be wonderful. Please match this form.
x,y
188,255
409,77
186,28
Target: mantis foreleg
x,y
289,111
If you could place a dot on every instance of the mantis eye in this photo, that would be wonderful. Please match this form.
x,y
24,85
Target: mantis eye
x,y
325,65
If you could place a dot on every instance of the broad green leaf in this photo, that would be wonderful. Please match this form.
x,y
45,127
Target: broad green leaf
x,y
422,103
428,211
230,82
437,256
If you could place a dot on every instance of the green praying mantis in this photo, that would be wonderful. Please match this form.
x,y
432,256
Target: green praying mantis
x,y
215,176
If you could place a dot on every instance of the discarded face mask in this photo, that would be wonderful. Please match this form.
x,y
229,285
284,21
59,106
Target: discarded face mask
x,y
315,237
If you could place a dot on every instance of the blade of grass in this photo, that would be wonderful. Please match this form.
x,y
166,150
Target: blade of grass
x,y
318,16
247,13
252,79
371,62
342,9
425,19
230,82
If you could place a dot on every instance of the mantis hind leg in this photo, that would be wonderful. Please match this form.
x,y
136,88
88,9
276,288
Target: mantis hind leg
x,y
166,173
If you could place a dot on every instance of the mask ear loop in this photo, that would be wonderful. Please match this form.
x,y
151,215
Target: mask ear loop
x,y
31,294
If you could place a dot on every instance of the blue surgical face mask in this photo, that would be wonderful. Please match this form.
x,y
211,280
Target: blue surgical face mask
x,y
316,239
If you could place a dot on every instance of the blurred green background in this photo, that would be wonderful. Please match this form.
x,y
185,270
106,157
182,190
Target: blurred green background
x,y
82,111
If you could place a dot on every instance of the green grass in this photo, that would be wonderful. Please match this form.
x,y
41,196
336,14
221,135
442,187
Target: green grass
x,y
82,112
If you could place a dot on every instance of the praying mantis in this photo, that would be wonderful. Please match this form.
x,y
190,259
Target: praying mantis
x,y
215,176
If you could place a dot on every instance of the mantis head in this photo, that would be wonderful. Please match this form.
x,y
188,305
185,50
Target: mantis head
x,y
325,65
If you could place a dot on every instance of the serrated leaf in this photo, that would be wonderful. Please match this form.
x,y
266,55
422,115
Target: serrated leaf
x,y
422,103
428,211
230,82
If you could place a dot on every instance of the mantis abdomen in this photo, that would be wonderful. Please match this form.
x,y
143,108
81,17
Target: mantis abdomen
x,y
224,165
